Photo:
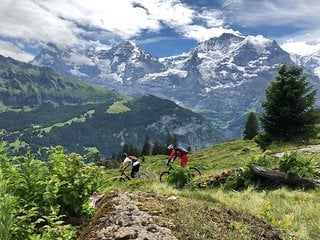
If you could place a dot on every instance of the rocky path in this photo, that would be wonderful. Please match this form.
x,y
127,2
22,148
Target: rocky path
x,y
147,216
119,217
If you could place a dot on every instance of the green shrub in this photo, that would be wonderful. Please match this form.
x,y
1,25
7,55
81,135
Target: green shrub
x,y
180,177
246,178
7,210
240,181
54,229
35,195
260,160
263,140
294,164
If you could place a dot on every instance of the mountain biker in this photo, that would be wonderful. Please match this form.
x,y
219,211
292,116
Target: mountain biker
x,y
178,152
133,160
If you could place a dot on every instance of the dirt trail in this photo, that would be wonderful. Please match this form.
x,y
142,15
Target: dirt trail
x,y
147,216
124,220
309,149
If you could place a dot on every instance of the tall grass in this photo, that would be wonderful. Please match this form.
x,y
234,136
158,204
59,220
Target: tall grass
x,y
296,213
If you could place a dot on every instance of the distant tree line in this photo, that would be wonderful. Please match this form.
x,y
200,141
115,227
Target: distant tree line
x,y
156,147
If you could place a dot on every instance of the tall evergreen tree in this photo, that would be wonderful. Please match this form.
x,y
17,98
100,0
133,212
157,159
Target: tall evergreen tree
x,y
168,139
175,140
251,127
146,146
126,148
157,148
289,111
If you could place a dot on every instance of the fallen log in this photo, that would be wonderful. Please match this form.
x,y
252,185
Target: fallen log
x,y
276,175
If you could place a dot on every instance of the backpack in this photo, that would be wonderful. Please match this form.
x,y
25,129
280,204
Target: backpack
x,y
133,158
182,150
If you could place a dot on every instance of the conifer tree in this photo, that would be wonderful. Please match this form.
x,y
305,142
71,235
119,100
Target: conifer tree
x,y
168,139
126,148
174,140
251,127
156,148
289,111
146,146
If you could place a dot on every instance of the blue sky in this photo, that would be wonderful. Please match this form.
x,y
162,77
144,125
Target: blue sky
x,y
161,27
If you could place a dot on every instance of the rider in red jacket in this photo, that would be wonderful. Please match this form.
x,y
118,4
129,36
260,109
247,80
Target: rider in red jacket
x,y
178,152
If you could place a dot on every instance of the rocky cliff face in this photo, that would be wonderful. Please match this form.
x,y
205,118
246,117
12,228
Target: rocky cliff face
x,y
223,78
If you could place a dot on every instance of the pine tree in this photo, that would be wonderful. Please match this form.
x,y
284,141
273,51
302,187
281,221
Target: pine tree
x,y
251,127
126,148
168,139
289,111
146,146
175,140
156,148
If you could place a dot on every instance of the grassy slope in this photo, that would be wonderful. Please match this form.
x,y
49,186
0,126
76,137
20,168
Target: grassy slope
x,y
23,84
218,214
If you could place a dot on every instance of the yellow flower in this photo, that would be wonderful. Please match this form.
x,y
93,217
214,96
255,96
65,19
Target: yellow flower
x,y
268,206
288,223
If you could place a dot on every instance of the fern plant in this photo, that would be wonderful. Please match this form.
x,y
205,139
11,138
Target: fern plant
x,y
294,164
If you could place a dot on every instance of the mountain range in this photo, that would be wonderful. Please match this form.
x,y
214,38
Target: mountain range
x,y
311,62
223,78
41,108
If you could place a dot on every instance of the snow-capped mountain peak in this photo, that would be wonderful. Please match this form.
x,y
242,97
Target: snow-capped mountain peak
x,y
223,77
311,62
223,43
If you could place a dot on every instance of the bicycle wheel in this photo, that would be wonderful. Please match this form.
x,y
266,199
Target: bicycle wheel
x,y
195,172
164,176
122,178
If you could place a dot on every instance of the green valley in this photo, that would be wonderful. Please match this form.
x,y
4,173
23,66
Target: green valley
x,y
40,108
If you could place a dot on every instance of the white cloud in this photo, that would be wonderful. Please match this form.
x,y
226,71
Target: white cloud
x,y
73,22
301,43
300,21
27,20
259,41
8,49
274,12
212,18
64,22
201,33
300,47
155,40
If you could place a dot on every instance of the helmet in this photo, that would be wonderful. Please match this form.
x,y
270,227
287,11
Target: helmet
x,y
124,155
170,146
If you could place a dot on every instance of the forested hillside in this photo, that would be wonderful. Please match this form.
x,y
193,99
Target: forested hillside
x,y
24,86
40,108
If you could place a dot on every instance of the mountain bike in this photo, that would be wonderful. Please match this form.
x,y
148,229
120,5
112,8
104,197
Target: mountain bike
x,y
124,176
164,175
